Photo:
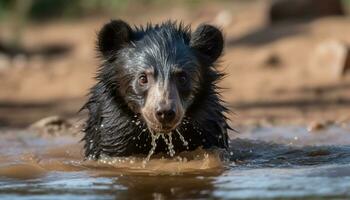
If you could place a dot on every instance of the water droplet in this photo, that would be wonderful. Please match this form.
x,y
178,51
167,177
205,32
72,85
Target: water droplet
x,y
169,143
185,143
154,145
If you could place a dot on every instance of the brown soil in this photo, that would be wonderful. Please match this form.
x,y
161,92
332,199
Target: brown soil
x,y
270,79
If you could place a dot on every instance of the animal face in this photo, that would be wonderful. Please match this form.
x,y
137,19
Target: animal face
x,y
163,78
159,70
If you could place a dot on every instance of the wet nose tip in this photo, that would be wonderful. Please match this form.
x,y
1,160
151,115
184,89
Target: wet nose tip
x,y
165,115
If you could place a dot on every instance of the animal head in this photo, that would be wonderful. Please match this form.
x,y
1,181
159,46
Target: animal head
x,y
158,70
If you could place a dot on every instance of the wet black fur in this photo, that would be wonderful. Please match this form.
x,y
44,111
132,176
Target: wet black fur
x,y
114,129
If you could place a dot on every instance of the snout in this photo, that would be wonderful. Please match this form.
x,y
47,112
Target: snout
x,y
163,110
165,114
164,118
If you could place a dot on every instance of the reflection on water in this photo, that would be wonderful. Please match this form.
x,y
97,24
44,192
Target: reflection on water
x,y
296,164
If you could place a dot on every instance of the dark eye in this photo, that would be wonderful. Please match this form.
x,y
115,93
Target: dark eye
x,y
143,79
182,78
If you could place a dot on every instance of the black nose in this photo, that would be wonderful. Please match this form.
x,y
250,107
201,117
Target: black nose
x,y
165,115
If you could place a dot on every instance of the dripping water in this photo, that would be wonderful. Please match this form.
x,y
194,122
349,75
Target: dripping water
x,y
185,143
169,143
154,137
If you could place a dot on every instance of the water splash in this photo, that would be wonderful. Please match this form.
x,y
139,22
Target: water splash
x,y
116,161
167,138
185,143
169,143
154,137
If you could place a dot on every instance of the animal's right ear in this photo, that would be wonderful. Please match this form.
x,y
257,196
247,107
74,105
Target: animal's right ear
x,y
208,40
113,36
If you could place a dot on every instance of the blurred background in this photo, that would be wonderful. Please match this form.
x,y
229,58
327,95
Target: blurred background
x,y
288,61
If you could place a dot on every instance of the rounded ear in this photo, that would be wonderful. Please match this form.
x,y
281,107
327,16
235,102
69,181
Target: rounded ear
x,y
208,40
113,36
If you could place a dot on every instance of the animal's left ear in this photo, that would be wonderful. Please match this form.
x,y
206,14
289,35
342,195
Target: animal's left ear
x,y
208,40
113,36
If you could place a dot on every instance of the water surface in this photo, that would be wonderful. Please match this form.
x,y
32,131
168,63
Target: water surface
x,y
263,162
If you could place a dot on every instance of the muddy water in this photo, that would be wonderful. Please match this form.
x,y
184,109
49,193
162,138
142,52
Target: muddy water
x,y
263,162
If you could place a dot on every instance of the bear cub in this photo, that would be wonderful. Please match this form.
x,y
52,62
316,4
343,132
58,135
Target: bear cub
x,y
157,80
